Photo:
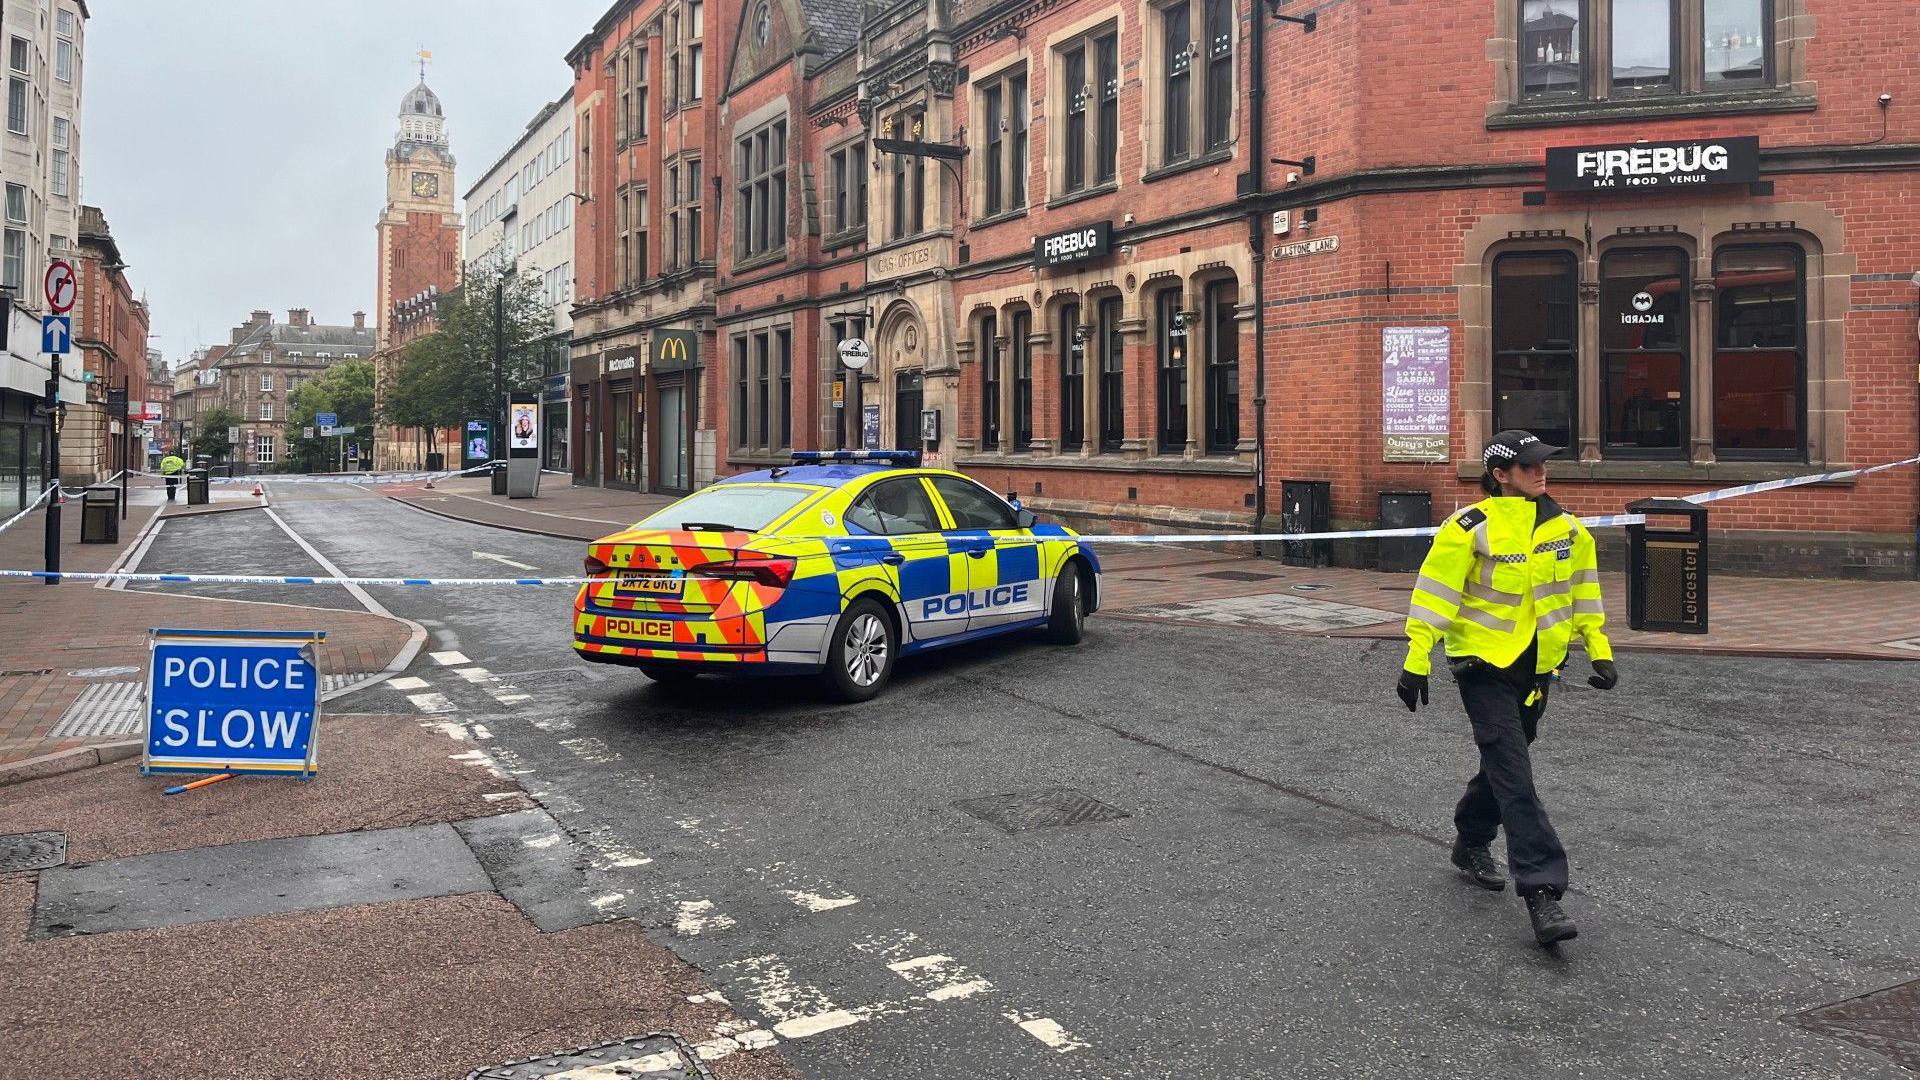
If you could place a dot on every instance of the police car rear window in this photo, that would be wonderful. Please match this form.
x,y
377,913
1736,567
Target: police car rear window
x,y
735,507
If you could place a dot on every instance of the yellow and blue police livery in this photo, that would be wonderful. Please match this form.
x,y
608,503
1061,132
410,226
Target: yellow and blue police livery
x,y
837,564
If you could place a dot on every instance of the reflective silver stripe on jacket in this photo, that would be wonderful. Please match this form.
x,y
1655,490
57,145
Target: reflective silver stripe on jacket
x,y
1419,612
1488,620
1552,588
1492,595
1584,606
1553,618
1589,576
1437,588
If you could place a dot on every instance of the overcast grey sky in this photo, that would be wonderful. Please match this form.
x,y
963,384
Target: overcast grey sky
x,y
237,146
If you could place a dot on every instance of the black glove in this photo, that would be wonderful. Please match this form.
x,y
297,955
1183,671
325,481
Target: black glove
x,y
1412,688
1605,676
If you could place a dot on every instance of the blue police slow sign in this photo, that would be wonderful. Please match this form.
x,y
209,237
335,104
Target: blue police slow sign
x,y
241,701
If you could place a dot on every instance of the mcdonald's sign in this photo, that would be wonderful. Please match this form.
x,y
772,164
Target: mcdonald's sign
x,y
675,350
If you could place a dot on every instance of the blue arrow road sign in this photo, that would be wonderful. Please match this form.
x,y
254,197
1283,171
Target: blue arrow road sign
x,y
56,334
327,419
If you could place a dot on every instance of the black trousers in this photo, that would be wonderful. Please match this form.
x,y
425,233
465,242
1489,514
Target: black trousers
x,y
171,482
1502,792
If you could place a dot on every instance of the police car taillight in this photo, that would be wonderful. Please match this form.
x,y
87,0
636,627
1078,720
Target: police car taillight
x,y
762,569
596,568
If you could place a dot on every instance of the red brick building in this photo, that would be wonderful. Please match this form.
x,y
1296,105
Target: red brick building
x,y
647,103
1111,263
110,329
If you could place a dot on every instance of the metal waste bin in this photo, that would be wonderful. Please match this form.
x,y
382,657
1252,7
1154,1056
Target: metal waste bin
x,y
100,514
499,478
1667,569
1404,510
1306,507
196,487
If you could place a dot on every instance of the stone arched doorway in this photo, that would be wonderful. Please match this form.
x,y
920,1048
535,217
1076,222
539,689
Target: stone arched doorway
x,y
894,383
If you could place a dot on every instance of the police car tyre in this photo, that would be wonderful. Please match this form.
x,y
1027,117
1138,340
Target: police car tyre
x,y
667,675
864,647
1067,621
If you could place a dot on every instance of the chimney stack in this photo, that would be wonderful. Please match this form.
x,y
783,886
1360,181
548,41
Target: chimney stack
x,y
297,316
260,318
359,320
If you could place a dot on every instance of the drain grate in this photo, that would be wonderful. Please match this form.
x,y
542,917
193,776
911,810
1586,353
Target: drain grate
x,y
25,671
661,1054
1241,575
1886,1021
32,851
103,709
1019,812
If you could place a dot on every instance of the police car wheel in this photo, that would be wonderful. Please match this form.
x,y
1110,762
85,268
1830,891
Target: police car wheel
x,y
1067,622
863,651
668,676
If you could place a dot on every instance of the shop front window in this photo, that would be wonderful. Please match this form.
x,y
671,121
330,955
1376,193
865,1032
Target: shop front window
x,y
1759,353
1536,344
1644,304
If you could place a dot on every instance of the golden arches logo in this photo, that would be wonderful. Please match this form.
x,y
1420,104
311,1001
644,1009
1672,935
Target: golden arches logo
x,y
673,348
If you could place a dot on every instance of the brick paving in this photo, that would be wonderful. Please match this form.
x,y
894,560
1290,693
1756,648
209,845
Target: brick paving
x,y
1764,616
48,631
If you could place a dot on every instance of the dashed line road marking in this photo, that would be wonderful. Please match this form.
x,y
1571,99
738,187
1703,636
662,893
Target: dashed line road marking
x,y
408,682
473,674
450,658
697,917
1048,1031
432,703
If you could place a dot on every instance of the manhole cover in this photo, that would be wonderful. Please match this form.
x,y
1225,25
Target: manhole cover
x,y
1241,575
105,672
1037,810
660,1056
1887,1021
32,851
1311,588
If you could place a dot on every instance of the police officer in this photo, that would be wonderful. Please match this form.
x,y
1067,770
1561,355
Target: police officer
x,y
170,467
1508,583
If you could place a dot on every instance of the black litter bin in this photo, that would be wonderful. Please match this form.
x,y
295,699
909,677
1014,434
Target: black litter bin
x,y
1667,569
1404,510
499,478
196,487
436,462
100,514
1306,507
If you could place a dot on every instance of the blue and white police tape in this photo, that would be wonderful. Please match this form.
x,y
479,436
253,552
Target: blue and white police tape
x,y
354,478
259,579
1796,481
29,508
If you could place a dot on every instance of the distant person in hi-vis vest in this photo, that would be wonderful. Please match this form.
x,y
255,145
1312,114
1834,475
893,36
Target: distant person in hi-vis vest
x,y
1510,580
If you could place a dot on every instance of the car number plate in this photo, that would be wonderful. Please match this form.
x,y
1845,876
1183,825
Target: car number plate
x,y
652,583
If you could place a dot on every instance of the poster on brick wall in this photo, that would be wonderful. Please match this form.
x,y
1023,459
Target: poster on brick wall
x,y
1416,421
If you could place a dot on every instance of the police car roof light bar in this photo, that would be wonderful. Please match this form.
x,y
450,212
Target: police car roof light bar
x,y
905,458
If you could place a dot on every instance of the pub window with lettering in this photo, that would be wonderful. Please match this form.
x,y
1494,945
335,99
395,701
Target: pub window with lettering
x,y
1536,346
1627,49
1644,328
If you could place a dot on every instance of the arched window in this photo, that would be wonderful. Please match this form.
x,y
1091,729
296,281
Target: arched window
x,y
1073,379
1223,367
989,353
1170,327
1021,331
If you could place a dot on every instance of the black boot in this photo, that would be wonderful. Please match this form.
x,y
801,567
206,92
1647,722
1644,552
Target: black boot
x,y
1550,923
1478,864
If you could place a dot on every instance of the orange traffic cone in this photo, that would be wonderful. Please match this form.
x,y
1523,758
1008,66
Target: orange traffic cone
x,y
257,492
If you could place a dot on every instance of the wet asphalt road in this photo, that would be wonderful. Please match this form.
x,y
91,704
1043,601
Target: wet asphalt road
x,y
1276,901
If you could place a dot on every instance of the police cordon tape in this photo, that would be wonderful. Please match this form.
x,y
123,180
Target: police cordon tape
x,y
1600,522
356,478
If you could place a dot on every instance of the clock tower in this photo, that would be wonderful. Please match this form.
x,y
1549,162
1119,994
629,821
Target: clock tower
x,y
419,231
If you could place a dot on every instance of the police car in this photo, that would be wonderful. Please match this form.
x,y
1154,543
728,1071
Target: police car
x,y
838,564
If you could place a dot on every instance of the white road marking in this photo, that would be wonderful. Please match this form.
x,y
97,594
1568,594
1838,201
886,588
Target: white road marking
x,y
801,1027
613,899
408,682
450,658
450,729
326,564
513,699
432,703
696,917
711,996
479,731
546,841
588,748
551,723
939,977
473,674
816,902
480,758
1048,1031
741,1037
712,834
503,560
500,796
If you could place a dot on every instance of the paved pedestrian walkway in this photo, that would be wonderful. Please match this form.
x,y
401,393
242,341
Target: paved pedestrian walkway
x,y
1759,616
60,643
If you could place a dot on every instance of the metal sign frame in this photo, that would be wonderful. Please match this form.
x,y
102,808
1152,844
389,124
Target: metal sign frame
x,y
307,643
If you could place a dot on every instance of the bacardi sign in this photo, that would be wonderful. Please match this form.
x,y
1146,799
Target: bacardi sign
x,y
1074,245
1653,165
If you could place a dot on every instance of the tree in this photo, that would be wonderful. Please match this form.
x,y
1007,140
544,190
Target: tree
x,y
212,441
445,378
346,390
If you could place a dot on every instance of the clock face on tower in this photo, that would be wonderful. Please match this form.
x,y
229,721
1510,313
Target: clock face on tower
x,y
425,185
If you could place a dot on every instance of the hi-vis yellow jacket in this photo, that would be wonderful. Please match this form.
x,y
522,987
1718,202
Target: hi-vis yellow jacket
x,y
1494,579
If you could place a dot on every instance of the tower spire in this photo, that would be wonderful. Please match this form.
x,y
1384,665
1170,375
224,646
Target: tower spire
x,y
424,57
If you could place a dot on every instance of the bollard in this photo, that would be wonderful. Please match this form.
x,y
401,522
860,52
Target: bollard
x,y
1667,569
